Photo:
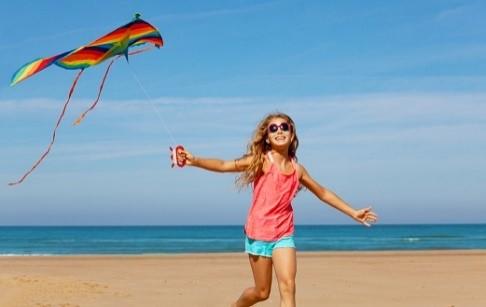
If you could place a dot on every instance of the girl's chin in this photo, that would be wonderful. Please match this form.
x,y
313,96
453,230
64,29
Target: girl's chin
x,y
280,144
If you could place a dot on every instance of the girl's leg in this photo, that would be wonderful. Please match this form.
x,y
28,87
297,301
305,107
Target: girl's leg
x,y
262,274
285,264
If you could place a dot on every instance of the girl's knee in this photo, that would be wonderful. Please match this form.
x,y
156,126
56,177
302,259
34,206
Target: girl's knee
x,y
287,285
262,293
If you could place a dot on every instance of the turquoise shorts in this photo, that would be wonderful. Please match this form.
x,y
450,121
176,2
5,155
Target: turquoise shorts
x,y
265,248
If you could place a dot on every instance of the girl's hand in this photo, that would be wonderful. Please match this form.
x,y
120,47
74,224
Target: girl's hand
x,y
187,157
365,216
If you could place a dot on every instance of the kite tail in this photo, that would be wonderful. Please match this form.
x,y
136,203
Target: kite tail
x,y
93,105
44,155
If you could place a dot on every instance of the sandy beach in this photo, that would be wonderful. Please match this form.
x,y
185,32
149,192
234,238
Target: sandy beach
x,y
432,278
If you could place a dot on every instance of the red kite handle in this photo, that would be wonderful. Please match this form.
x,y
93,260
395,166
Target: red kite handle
x,y
175,154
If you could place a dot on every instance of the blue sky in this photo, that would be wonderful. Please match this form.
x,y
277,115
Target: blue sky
x,y
389,98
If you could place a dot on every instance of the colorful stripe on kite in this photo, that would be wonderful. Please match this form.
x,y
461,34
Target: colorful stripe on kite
x,y
34,67
137,30
85,57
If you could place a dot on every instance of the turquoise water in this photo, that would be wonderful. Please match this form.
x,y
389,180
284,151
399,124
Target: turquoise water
x,y
62,240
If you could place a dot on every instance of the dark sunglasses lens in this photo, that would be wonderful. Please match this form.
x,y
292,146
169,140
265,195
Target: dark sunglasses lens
x,y
284,126
273,128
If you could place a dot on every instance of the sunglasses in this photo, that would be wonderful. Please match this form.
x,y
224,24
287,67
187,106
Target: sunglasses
x,y
283,127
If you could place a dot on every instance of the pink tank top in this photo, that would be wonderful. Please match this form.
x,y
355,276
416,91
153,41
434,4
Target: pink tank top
x,y
271,216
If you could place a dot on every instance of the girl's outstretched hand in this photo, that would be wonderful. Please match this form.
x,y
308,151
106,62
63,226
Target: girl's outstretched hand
x,y
365,216
186,156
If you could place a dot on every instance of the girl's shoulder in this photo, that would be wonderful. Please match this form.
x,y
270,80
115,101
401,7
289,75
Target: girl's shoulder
x,y
299,168
246,158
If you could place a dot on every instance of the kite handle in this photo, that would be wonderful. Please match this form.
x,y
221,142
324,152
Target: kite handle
x,y
175,156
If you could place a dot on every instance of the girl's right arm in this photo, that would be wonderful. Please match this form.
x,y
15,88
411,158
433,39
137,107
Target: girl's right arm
x,y
217,165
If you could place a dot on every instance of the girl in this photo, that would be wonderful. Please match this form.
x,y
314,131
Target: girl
x,y
270,165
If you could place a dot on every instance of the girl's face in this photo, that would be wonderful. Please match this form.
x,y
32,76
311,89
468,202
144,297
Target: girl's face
x,y
279,132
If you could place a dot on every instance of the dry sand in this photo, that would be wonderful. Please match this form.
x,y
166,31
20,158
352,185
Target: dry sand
x,y
428,279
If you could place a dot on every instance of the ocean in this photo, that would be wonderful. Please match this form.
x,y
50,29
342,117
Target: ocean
x,y
100,240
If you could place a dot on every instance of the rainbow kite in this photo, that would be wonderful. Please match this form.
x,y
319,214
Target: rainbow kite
x,y
113,45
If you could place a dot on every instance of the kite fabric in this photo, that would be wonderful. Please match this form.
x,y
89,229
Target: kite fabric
x,y
113,45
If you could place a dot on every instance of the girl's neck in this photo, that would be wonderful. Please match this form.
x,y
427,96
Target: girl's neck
x,y
281,160
279,154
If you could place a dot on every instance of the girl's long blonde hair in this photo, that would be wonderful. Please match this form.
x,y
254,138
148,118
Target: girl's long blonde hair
x,y
258,147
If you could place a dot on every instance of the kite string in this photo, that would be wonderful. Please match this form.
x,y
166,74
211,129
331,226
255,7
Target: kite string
x,y
82,116
150,100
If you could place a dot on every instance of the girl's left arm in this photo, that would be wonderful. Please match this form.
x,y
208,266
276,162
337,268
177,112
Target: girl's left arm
x,y
364,216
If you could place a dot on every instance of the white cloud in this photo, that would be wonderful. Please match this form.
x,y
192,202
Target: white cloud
x,y
131,129
331,111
